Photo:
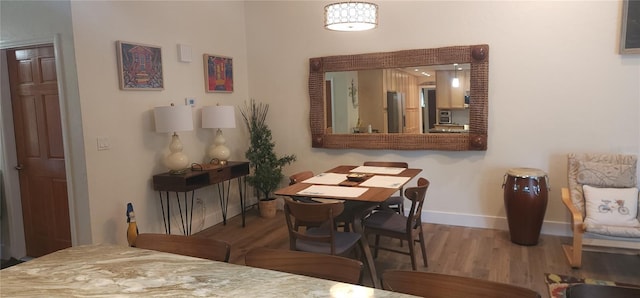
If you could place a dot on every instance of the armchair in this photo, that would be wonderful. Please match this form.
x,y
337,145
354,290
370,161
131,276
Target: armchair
x,y
602,220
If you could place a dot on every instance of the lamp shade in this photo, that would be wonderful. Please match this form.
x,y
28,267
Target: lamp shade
x,y
218,117
351,16
173,118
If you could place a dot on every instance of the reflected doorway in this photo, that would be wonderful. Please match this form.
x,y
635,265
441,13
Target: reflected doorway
x,y
428,105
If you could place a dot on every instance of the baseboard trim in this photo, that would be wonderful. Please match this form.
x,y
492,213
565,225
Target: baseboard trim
x,y
489,222
436,217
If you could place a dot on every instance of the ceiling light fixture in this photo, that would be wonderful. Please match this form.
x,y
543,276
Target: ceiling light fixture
x,y
351,16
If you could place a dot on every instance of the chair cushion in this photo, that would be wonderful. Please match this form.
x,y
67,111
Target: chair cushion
x,y
617,231
606,174
385,220
611,206
394,201
344,242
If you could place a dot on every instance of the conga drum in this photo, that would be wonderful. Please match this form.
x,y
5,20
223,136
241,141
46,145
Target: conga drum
x,y
525,200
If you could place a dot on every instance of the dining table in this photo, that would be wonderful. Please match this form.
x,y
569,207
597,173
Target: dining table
x,y
366,185
107,270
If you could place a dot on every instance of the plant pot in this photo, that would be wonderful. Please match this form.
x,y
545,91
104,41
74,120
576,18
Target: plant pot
x,y
267,208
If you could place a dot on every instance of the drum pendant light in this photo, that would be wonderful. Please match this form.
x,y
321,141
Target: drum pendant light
x,y
351,16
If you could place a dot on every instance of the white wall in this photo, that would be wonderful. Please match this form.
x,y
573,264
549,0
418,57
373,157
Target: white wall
x,y
36,22
555,81
123,173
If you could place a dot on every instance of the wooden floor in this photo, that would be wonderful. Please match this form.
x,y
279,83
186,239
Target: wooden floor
x,y
479,253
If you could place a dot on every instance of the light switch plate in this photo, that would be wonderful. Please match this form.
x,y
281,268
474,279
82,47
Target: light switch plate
x,y
190,101
103,143
184,53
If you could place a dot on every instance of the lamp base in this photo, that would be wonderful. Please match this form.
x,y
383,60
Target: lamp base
x,y
176,161
177,172
218,150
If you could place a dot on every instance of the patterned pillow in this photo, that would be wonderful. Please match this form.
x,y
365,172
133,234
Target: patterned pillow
x,y
611,206
606,174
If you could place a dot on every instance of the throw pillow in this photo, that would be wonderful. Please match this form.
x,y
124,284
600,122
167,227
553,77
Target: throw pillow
x,y
611,206
606,174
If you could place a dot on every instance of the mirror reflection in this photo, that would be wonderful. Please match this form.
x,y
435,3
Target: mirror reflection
x,y
418,99
417,123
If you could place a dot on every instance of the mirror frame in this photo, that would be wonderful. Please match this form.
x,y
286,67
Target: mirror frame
x,y
476,139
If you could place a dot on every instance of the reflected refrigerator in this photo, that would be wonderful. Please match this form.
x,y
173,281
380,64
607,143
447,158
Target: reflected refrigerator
x,y
395,112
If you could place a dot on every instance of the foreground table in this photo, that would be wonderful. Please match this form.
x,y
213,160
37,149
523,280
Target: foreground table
x,y
595,291
110,270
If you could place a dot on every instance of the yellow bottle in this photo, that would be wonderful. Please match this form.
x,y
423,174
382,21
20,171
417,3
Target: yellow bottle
x,y
132,230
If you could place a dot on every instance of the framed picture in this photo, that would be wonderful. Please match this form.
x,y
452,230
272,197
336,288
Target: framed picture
x,y
218,73
139,66
630,40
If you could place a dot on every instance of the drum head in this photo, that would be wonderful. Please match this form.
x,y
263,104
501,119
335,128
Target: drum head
x,y
526,172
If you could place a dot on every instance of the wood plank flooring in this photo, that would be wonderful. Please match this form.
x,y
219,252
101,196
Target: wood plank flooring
x,y
479,253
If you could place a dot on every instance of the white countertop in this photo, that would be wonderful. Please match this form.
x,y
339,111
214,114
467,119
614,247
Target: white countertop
x,y
121,271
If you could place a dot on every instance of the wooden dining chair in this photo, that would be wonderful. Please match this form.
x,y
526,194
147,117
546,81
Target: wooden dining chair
x,y
297,178
395,203
394,225
323,266
321,239
341,221
434,285
199,247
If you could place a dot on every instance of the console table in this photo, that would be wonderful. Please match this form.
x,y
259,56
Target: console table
x,y
191,180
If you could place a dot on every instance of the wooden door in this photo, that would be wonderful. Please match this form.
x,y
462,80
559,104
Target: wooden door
x,y
39,145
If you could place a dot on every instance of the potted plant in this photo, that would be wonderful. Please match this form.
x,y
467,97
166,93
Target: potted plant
x,y
266,167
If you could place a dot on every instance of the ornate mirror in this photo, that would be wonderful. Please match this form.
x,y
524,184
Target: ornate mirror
x,y
472,137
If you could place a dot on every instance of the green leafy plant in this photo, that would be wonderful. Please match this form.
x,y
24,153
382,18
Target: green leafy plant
x,y
265,165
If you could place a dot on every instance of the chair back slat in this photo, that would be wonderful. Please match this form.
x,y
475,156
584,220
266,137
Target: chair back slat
x,y
323,266
416,195
297,178
434,285
199,247
312,214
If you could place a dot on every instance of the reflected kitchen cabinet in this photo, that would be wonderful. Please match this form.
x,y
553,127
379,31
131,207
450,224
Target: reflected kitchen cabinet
x,y
398,81
447,95
371,108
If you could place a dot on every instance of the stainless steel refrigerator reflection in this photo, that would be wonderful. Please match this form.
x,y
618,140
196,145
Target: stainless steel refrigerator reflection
x,y
395,112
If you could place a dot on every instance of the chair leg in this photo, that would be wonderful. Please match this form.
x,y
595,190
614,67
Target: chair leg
x,y
574,252
423,248
412,253
401,211
375,253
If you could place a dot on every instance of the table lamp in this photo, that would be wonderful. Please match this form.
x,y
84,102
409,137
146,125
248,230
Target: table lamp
x,y
173,119
218,117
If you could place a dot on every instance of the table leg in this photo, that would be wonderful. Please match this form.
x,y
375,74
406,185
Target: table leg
x,y
182,219
223,193
165,220
242,182
190,211
357,226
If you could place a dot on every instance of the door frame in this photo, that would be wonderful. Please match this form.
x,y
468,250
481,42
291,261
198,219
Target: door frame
x,y
16,246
